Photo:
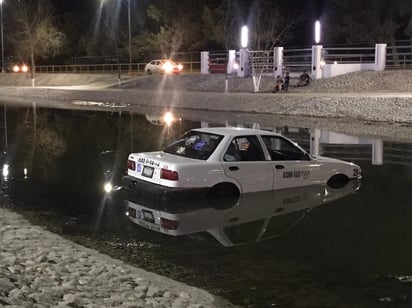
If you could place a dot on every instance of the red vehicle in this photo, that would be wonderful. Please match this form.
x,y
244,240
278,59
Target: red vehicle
x,y
217,66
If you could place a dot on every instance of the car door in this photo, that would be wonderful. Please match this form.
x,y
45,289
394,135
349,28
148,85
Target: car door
x,y
291,165
244,161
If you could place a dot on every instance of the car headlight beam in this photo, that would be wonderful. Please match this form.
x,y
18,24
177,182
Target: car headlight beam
x,y
167,67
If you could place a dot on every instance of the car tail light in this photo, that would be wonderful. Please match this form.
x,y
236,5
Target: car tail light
x,y
131,212
131,165
169,224
169,174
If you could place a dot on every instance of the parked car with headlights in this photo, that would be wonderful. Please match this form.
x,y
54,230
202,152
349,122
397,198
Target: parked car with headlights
x,y
222,161
163,67
17,68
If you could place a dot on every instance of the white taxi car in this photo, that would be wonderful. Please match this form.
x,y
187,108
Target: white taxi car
x,y
163,66
249,218
229,161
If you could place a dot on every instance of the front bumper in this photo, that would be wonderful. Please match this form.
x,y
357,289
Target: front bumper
x,y
147,189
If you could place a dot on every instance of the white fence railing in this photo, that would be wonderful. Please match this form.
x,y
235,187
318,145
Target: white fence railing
x,y
399,56
319,61
270,62
123,68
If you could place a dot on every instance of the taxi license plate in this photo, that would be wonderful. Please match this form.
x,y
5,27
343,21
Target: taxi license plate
x,y
149,225
145,218
148,171
148,216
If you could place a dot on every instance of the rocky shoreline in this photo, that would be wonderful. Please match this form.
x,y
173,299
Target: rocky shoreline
x,y
41,269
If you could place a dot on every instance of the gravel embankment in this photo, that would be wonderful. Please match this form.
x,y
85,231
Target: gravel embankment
x,y
369,96
41,269
366,81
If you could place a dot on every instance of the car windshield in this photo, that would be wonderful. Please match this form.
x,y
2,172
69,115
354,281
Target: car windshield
x,y
194,144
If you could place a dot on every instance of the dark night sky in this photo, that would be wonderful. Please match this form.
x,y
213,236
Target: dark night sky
x,y
85,10
75,6
89,5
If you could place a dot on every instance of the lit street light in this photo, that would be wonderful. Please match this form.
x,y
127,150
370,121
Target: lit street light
x,y
317,32
2,40
244,53
244,37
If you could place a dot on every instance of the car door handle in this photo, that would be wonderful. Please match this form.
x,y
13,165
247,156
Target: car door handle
x,y
233,168
279,167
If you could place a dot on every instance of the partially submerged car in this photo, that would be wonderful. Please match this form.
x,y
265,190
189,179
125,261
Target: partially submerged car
x,y
249,218
213,162
163,66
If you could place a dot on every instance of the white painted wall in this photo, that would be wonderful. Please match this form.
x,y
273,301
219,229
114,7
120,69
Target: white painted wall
x,y
278,62
332,70
204,62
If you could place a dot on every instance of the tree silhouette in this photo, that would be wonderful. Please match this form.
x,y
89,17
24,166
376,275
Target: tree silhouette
x,y
35,34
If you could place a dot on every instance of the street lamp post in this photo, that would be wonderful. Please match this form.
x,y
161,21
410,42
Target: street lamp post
x,y
243,53
130,36
130,31
2,40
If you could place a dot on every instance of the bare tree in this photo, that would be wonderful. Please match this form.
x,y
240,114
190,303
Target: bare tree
x,y
36,35
269,26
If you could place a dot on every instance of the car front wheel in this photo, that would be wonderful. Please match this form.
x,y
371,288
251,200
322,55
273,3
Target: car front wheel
x,y
338,181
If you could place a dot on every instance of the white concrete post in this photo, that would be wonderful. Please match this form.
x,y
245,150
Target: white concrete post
x,y
316,62
377,152
380,57
231,62
244,66
314,141
204,62
277,61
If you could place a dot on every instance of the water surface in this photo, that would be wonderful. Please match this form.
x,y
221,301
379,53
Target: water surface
x,y
354,251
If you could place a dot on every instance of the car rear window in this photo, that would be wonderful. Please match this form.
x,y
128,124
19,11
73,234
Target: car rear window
x,y
194,144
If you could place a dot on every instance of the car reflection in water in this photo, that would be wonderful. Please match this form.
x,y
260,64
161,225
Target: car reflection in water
x,y
251,217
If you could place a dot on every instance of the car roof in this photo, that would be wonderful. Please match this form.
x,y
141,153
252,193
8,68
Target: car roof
x,y
235,131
